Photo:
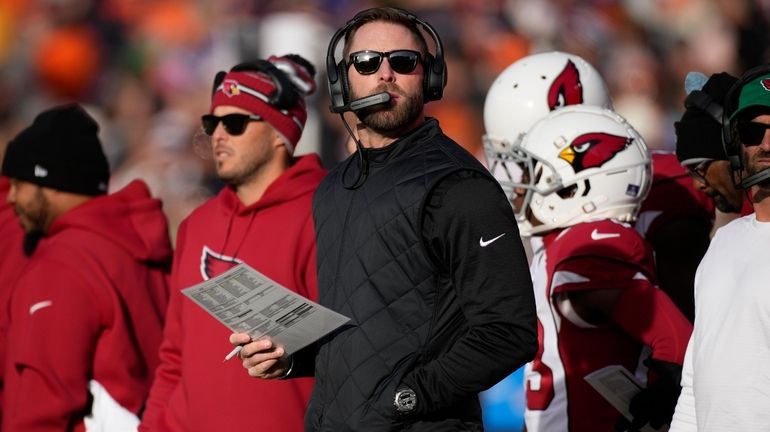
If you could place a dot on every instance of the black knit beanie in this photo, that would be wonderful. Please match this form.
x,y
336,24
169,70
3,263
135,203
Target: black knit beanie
x,y
698,134
60,150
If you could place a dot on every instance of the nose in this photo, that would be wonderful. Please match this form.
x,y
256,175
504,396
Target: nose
x,y
219,133
385,72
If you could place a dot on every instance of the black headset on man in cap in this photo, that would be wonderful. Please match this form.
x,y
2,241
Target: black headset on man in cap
x,y
729,140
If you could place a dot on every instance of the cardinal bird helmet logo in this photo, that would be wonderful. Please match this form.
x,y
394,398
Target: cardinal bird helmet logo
x,y
578,163
592,150
566,88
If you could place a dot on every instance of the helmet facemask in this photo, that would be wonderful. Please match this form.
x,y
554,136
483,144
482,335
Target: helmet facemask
x,y
577,164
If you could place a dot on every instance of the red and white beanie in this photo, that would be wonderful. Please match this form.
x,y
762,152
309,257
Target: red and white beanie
x,y
251,90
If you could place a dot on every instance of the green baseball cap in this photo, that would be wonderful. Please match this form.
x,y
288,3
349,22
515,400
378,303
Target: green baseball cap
x,y
754,94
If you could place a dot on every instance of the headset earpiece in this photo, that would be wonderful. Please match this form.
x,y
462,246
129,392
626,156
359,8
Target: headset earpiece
x,y
701,100
435,78
337,75
727,137
342,66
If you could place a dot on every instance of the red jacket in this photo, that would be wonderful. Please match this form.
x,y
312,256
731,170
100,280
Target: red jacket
x,y
88,309
194,390
11,262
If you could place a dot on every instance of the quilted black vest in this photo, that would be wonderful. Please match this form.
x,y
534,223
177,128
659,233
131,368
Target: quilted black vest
x,y
373,268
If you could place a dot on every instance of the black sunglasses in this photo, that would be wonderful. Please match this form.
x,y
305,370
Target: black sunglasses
x,y
368,62
698,171
234,124
751,133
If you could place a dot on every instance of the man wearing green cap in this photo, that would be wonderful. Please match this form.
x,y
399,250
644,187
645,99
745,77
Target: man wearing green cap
x,y
725,378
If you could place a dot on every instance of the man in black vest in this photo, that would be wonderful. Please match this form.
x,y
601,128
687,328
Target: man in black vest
x,y
417,244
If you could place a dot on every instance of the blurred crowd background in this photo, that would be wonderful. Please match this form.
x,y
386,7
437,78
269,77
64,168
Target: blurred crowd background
x,y
144,69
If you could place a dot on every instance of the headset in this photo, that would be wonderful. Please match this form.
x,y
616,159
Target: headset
x,y
337,73
703,101
284,97
732,149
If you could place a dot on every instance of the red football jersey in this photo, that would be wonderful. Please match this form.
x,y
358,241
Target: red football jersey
x,y
589,256
672,195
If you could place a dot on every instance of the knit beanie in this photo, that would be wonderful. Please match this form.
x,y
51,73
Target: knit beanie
x,y
698,134
60,150
250,86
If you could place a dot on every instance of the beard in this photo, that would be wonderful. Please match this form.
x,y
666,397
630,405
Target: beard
x,y
33,219
391,119
245,168
724,205
752,167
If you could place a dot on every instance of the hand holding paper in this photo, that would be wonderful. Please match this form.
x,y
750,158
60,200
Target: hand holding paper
x,y
262,358
246,301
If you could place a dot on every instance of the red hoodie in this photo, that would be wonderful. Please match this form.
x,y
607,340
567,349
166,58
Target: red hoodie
x,y
11,262
193,389
88,310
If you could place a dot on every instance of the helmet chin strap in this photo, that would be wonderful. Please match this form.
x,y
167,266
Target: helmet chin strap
x,y
755,179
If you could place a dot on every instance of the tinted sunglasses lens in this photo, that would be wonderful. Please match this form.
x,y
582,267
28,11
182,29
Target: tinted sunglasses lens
x,y
751,133
698,172
209,123
367,62
235,123
403,62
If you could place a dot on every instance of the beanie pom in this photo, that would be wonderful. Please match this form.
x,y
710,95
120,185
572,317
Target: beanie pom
x,y
300,72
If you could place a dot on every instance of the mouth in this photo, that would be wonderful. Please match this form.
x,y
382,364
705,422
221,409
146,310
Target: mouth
x,y
221,153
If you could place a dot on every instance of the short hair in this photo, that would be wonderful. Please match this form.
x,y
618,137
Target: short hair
x,y
384,14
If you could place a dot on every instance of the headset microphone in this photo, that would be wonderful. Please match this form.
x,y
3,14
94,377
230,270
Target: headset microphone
x,y
362,103
368,101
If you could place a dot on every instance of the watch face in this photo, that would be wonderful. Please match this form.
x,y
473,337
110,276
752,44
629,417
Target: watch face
x,y
406,401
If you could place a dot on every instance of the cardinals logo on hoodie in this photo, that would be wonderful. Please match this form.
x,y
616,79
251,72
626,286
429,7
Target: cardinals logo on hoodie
x,y
593,150
566,88
214,264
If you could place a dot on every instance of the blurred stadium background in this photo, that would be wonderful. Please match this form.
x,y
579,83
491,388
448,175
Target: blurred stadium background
x,y
144,69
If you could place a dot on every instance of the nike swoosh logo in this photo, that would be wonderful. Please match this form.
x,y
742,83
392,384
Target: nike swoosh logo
x,y
596,235
39,305
486,243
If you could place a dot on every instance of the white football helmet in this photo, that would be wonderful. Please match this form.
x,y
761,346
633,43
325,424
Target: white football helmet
x,y
535,85
528,90
578,163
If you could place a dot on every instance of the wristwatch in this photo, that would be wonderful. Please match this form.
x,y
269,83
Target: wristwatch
x,y
405,400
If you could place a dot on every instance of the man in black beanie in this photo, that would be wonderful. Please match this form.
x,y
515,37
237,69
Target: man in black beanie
x,y
86,316
60,152
699,147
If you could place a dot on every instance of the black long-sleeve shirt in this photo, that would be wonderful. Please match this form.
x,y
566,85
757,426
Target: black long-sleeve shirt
x,y
471,233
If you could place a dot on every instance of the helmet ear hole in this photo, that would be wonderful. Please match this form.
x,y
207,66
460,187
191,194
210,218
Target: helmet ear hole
x,y
567,192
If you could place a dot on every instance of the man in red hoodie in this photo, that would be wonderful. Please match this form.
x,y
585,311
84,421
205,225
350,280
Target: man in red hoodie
x,y
263,218
86,313
11,263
